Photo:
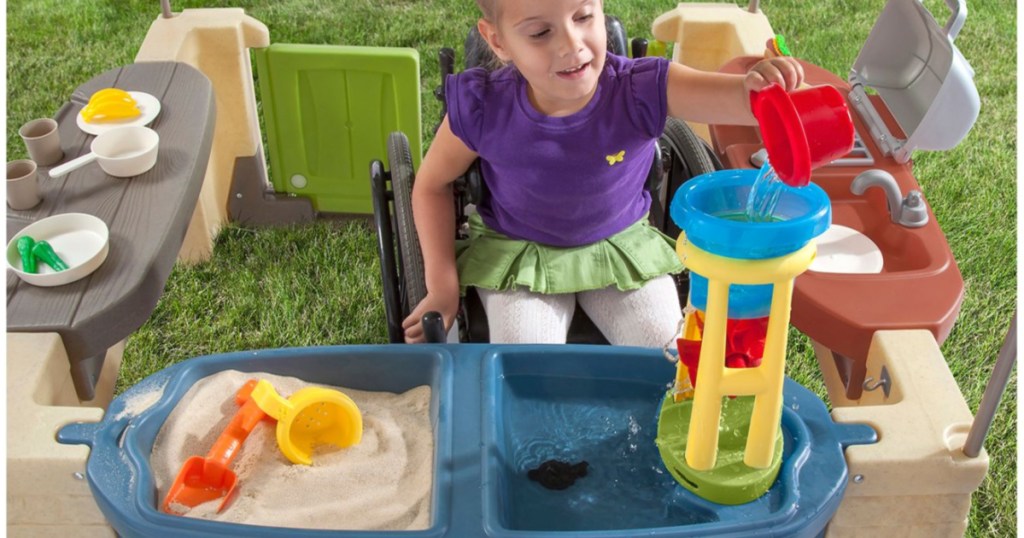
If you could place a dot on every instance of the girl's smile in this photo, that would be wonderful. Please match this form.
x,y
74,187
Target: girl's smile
x,y
574,73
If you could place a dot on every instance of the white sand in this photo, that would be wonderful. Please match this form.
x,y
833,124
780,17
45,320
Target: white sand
x,y
138,403
383,483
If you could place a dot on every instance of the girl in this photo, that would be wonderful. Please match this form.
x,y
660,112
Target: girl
x,y
566,135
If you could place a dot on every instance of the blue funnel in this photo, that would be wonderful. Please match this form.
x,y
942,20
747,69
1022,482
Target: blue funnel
x,y
711,210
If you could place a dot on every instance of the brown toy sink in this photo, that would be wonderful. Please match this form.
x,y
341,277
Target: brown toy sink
x,y
919,285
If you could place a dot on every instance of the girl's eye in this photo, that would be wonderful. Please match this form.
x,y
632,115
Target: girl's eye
x,y
585,18
540,34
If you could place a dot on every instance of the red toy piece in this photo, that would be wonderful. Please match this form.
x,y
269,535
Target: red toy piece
x,y
744,345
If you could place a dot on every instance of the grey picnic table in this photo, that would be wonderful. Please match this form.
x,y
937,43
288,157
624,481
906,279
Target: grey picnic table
x,y
147,215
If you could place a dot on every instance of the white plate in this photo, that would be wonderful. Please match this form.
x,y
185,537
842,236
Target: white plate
x,y
845,250
81,240
148,105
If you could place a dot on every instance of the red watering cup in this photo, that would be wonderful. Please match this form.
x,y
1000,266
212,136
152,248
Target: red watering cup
x,y
802,130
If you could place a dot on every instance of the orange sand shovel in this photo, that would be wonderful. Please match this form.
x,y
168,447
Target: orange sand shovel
x,y
202,480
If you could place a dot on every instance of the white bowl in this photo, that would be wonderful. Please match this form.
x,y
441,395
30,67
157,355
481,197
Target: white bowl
x,y
81,240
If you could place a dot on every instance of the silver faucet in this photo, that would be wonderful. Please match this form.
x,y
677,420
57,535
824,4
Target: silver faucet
x,y
910,211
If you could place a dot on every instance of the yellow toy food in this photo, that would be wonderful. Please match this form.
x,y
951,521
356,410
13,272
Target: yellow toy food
x,y
110,104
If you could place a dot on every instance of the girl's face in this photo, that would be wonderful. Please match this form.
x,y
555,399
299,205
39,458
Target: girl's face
x,y
558,46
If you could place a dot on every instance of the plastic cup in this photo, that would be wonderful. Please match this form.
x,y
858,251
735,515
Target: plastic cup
x,y
42,139
802,130
22,184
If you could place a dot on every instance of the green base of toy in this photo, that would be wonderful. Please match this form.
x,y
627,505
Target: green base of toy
x,y
731,481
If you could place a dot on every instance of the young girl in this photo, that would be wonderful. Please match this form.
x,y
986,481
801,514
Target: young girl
x,y
566,135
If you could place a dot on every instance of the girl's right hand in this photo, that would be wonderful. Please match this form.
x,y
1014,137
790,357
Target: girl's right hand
x,y
447,304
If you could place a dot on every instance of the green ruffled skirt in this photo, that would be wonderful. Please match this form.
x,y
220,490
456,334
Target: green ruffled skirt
x,y
627,260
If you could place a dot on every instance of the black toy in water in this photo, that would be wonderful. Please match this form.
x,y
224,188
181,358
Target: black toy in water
x,y
555,474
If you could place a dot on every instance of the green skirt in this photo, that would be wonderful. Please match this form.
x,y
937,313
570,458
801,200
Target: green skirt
x,y
628,259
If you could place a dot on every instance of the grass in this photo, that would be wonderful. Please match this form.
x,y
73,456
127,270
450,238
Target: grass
x,y
318,285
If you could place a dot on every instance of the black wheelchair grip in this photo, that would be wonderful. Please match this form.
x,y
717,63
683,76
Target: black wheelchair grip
x,y
433,328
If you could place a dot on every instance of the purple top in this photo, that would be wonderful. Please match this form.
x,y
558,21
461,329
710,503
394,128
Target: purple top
x,y
564,181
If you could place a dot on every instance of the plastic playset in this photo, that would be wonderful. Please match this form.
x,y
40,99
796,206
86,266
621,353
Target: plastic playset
x,y
560,440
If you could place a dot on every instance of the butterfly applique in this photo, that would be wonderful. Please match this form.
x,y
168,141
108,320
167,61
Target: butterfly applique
x,y
617,158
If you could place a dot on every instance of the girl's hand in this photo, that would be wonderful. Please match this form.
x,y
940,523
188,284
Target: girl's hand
x,y
447,304
782,70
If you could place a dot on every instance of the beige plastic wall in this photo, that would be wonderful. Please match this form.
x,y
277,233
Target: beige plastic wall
x,y
217,43
47,494
916,480
707,35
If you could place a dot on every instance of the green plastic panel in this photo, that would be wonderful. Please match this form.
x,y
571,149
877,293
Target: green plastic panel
x,y
328,111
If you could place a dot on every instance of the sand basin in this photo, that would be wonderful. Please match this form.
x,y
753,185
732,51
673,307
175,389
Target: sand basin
x,y
383,483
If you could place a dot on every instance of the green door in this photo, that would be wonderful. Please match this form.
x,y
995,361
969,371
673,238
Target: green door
x,y
328,111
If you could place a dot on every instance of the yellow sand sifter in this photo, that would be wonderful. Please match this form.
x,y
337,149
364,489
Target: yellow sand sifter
x,y
312,416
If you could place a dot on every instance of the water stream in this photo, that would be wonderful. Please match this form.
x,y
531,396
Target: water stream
x,y
764,195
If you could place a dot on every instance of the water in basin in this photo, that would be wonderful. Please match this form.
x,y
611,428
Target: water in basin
x,y
610,424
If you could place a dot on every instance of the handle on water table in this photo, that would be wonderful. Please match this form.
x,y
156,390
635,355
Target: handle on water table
x,y
90,433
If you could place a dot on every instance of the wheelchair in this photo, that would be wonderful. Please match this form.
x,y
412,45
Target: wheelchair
x,y
680,155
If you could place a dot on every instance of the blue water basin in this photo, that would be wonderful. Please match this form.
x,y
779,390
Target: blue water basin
x,y
498,411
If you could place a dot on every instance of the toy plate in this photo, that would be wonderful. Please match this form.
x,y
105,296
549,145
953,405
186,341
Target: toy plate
x,y
81,240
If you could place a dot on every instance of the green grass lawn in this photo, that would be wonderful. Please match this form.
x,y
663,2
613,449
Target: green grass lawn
x,y
319,284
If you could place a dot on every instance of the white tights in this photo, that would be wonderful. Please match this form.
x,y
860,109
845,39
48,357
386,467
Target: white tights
x,y
646,317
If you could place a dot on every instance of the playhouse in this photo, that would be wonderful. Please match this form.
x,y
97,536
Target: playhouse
x,y
890,455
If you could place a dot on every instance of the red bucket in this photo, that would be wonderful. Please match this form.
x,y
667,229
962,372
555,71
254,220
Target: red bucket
x,y
802,130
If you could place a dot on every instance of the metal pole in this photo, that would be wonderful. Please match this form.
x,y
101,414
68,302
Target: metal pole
x,y
993,392
754,6
165,7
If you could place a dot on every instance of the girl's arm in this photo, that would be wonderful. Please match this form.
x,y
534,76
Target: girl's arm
x,y
434,215
719,98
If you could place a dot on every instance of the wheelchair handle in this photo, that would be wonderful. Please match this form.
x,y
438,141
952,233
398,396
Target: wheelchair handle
x,y
433,328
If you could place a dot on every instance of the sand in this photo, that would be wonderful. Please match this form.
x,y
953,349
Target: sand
x,y
383,483
138,403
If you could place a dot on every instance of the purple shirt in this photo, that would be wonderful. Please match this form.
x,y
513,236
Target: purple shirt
x,y
564,181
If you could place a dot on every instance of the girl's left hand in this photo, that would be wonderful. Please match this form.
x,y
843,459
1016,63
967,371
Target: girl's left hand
x,y
782,70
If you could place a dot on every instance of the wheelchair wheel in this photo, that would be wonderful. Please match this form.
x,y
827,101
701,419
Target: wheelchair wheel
x,y
412,281
684,156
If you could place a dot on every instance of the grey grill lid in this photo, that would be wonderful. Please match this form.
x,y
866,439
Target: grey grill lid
x,y
911,62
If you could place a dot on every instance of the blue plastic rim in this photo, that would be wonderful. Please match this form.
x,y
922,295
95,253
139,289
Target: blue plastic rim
x,y
701,208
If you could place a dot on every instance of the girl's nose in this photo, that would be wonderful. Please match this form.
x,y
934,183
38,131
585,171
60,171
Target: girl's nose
x,y
572,42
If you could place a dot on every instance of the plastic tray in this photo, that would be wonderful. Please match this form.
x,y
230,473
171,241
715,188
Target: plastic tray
x,y
483,401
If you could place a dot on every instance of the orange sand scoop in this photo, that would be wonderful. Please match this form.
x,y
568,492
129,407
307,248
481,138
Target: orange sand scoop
x,y
202,480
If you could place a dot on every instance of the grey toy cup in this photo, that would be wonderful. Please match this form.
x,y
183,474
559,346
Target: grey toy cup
x,y
42,139
22,184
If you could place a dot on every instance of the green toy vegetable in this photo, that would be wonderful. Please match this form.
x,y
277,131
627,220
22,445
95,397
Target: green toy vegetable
x,y
43,251
28,260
